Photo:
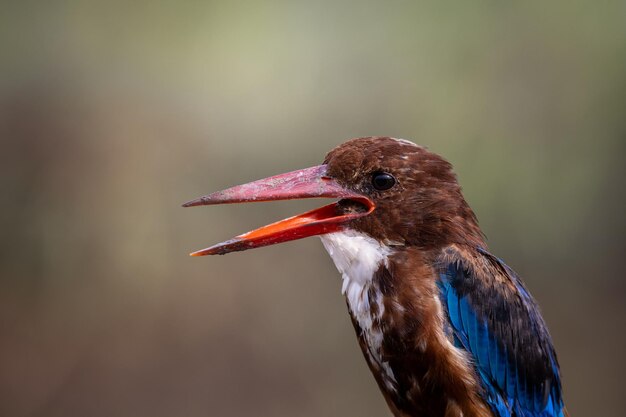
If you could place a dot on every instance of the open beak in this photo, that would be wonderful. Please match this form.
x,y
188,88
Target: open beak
x,y
305,183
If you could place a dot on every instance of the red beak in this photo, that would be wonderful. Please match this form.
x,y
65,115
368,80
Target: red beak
x,y
305,183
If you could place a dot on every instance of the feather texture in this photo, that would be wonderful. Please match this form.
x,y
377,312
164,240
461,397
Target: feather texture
x,y
494,318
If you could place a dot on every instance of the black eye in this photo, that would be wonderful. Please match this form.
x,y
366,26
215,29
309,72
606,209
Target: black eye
x,y
383,181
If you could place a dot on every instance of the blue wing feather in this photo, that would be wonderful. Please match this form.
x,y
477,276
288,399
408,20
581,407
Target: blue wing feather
x,y
519,379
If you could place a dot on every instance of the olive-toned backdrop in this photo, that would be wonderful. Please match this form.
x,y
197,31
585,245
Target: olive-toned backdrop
x,y
112,114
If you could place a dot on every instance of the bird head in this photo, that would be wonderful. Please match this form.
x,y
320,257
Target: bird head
x,y
390,189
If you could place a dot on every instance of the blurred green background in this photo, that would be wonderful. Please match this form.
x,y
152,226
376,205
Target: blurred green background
x,y
112,114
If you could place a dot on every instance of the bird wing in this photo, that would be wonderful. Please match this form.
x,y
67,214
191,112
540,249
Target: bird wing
x,y
492,316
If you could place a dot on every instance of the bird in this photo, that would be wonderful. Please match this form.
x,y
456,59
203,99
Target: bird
x,y
446,327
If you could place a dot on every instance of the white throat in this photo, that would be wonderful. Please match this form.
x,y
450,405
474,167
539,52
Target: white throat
x,y
358,256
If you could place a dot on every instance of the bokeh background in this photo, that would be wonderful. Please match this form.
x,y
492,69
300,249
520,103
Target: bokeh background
x,y
114,113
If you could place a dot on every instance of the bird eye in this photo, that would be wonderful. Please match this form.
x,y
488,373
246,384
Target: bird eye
x,y
383,181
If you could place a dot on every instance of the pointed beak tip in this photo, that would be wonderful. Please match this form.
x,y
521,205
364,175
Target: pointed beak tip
x,y
192,203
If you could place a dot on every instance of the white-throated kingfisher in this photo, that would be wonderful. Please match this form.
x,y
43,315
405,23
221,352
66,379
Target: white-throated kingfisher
x,y
446,327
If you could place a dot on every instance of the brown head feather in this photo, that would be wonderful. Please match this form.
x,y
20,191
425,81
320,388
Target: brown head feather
x,y
434,212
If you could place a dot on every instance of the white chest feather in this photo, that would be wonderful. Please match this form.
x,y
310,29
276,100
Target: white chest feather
x,y
358,257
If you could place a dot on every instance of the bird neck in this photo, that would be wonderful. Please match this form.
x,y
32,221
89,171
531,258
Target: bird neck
x,y
445,221
392,298
359,257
